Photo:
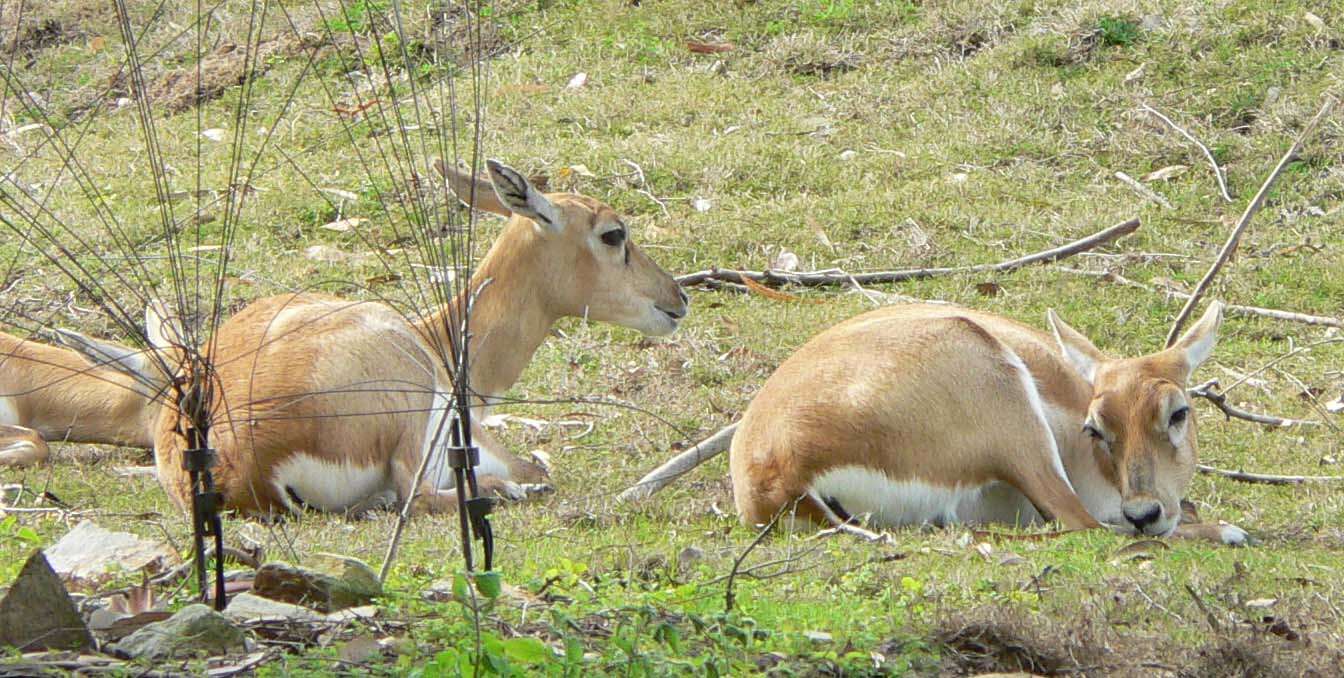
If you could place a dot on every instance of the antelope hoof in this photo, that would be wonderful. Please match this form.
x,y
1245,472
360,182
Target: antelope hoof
x,y
543,459
1232,535
511,491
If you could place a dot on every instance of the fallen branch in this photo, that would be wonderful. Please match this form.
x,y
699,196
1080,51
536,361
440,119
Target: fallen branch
x,y
1235,309
1144,190
680,465
1219,400
730,596
1251,209
841,278
1266,478
1217,171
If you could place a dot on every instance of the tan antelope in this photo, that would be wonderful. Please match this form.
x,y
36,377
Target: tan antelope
x,y
332,404
55,394
934,414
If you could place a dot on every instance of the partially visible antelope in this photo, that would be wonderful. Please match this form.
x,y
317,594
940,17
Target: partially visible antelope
x,y
932,414
54,394
332,404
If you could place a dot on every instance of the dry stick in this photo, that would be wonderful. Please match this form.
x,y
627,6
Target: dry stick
x,y
729,597
680,465
1144,190
842,279
1235,238
1266,478
1235,309
1219,400
1217,171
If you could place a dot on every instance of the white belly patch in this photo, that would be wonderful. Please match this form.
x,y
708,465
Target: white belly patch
x,y
892,503
9,416
327,485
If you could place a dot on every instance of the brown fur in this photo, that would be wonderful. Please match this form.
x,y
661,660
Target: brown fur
x,y
927,394
352,382
54,394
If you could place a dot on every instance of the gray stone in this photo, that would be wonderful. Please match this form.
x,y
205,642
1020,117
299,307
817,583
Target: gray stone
x,y
36,612
251,607
194,630
89,555
331,582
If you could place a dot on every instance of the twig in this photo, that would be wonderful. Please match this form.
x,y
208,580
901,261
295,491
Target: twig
x,y
1267,478
1219,400
1235,309
841,278
1213,621
1254,206
1143,190
679,465
1217,171
729,598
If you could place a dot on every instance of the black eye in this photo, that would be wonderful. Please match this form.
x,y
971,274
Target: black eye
x,y
1094,432
1178,417
614,237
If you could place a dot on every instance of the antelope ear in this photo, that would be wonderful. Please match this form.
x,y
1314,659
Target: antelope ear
x,y
472,191
132,362
1196,345
163,329
521,197
1077,349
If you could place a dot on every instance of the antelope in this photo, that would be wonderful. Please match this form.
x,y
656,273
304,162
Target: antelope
x,y
936,414
332,404
55,394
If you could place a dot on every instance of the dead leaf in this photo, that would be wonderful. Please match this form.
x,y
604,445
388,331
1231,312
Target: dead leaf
x,y
579,80
340,193
344,225
1135,74
709,47
777,295
988,289
730,326
1164,173
1010,558
325,253
1335,406
382,279
525,88
985,549
701,205
1280,628
204,248
784,261
360,649
215,134
1261,603
1144,549
1316,22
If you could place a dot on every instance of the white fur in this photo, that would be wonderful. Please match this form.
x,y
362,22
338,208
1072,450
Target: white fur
x,y
9,415
892,503
1233,535
326,485
439,473
1037,408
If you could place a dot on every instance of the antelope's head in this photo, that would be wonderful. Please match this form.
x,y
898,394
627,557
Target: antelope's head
x,y
1141,422
587,261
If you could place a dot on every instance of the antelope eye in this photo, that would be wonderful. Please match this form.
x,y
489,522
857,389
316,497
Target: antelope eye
x,y
1094,432
1178,417
614,237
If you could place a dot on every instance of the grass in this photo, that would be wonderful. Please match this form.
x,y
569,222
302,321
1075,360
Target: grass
x,y
978,130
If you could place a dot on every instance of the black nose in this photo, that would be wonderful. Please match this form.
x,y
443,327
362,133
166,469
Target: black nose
x,y
1142,514
675,315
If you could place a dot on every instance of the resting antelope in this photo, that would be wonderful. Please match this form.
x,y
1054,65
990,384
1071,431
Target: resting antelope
x,y
332,404
51,393
925,414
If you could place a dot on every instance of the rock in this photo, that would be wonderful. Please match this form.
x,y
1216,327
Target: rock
x,y
333,582
194,630
36,612
249,607
89,555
